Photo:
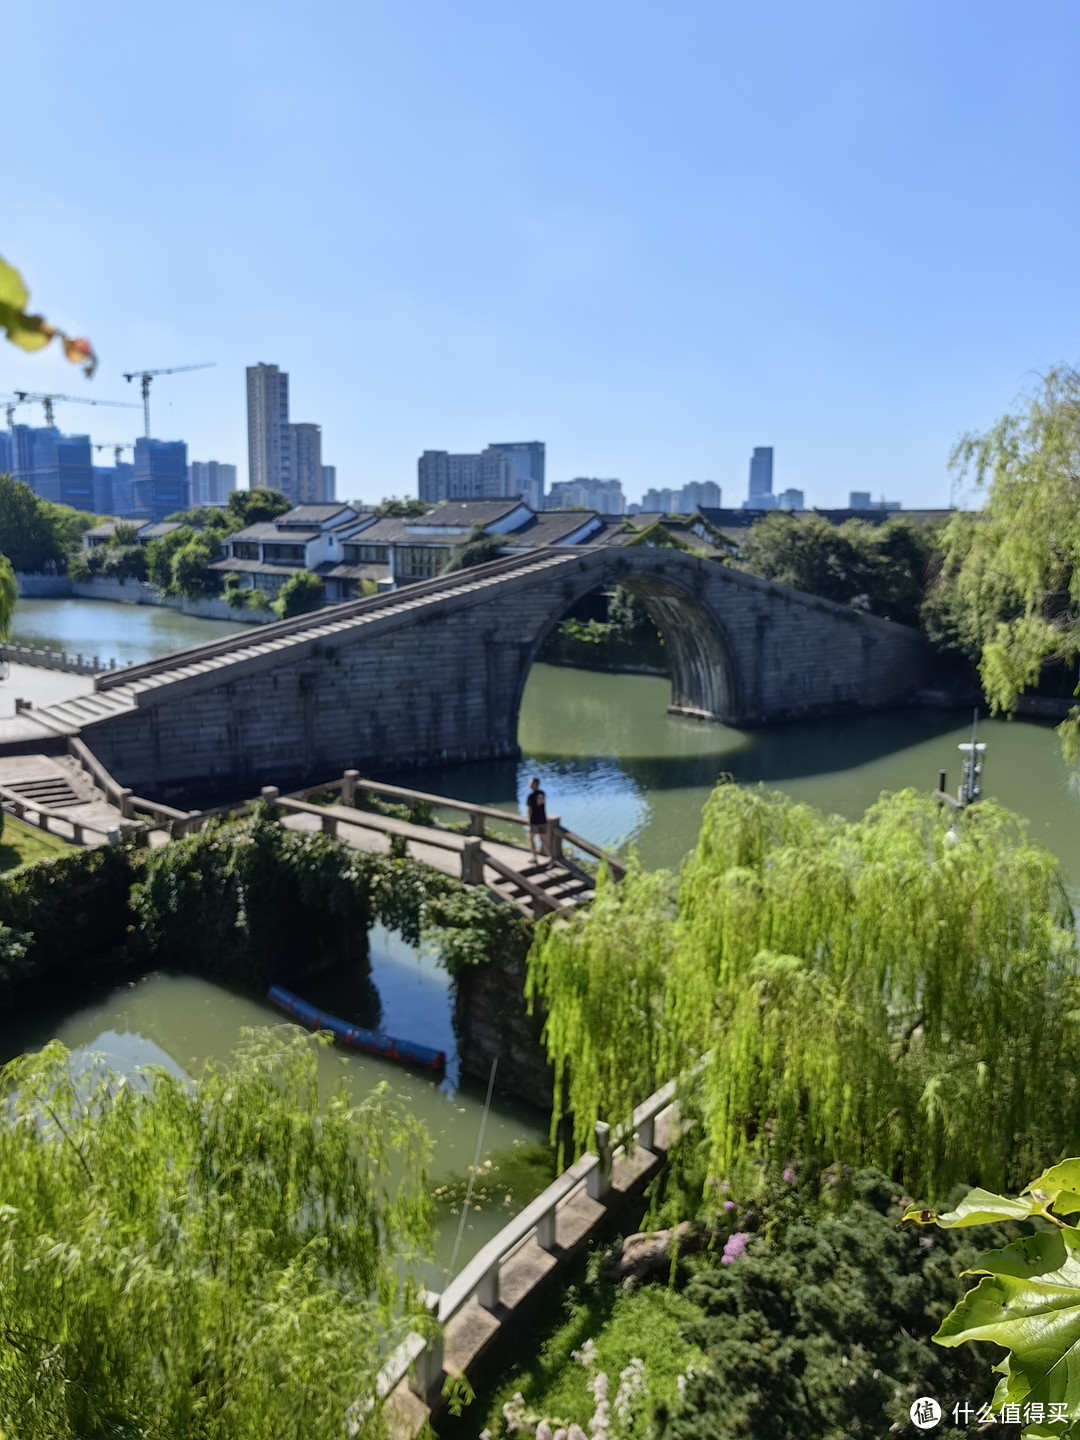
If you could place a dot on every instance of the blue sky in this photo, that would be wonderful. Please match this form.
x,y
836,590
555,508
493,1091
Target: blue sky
x,y
652,235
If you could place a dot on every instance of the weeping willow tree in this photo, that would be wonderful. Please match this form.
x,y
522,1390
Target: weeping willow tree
x,y
1009,589
222,1260
879,992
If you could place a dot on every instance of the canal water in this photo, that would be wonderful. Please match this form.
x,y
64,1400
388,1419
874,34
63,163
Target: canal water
x,y
617,769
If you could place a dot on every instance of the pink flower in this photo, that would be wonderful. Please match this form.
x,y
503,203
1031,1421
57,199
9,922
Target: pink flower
x,y
735,1248
729,1204
788,1176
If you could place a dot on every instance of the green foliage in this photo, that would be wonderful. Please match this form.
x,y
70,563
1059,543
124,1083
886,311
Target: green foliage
x,y
867,992
657,535
602,980
882,569
23,844
253,507
176,562
256,599
408,508
477,548
820,1329
78,568
1009,588
235,594
68,524
301,593
190,576
9,597
29,533
227,1258
33,332
1027,1298
69,913
242,902
604,1330
470,928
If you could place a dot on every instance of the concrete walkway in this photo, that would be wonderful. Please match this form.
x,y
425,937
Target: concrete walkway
x,y
41,688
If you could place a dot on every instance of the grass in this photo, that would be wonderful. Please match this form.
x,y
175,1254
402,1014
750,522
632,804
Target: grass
x,y
644,1324
22,844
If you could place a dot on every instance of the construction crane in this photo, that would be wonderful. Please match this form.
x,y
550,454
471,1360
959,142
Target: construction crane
x,y
117,450
24,397
147,375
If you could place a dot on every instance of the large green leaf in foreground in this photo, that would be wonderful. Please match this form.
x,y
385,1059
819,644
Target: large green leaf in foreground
x,y
1028,1297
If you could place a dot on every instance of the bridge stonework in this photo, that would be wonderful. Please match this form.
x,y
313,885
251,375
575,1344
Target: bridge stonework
x,y
437,674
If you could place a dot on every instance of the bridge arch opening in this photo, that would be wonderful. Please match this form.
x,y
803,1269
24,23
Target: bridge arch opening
x,y
695,653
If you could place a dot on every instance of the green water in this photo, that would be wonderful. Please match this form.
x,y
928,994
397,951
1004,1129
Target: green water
x,y
615,766
128,634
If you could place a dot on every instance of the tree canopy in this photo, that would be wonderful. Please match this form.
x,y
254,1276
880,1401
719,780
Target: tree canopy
x,y
882,569
252,507
301,593
476,548
9,597
30,534
223,1258
874,992
1009,590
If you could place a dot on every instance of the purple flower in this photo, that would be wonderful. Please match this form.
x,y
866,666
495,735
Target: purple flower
x,y
724,1187
735,1248
729,1204
788,1176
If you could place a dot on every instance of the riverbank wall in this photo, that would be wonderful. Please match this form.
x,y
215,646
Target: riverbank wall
x,y
136,592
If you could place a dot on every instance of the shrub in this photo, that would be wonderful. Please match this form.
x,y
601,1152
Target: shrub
x,y
301,593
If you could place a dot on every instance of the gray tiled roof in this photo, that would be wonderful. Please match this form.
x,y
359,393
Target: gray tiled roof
x,y
313,514
267,530
463,513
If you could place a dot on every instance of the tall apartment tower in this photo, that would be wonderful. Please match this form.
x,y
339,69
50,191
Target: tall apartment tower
x,y
159,483
269,443
305,464
761,467
500,471
211,482
527,479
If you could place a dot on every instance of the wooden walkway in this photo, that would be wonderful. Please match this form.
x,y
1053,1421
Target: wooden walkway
x,y
74,797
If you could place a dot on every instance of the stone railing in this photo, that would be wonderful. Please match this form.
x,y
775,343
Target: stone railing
x,y
55,821
55,660
595,1175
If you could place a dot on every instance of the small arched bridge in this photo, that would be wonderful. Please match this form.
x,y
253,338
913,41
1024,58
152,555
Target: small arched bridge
x,y
435,672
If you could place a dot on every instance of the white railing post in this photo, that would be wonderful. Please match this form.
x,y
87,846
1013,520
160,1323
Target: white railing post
x,y
545,1229
598,1181
427,1368
553,838
112,837
647,1133
270,794
487,1292
348,788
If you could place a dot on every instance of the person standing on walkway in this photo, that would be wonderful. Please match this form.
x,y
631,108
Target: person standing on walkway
x,y
536,809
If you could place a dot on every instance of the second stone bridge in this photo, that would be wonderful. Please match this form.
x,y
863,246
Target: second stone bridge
x,y
435,672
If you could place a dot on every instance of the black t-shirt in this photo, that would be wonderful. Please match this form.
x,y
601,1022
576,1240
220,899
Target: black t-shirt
x,y
534,804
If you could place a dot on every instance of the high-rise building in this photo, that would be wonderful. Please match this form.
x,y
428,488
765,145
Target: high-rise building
x,y
790,500
668,502
57,467
761,478
603,495
497,473
527,480
698,493
160,484
329,483
211,482
268,428
305,464
858,500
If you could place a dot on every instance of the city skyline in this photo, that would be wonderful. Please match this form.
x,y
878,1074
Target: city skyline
x,y
660,284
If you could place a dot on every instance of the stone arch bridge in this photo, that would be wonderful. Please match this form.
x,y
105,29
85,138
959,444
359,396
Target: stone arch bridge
x,y
435,672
